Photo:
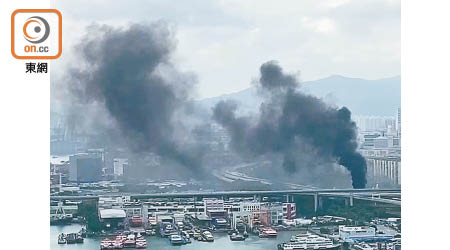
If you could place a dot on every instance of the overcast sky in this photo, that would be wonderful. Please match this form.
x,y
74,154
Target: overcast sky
x,y
225,42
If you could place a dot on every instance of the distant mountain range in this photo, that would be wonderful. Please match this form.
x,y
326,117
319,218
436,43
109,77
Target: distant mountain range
x,y
379,97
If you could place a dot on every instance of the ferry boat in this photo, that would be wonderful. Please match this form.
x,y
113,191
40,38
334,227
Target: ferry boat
x,y
106,244
207,236
117,243
268,233
309,241
175,239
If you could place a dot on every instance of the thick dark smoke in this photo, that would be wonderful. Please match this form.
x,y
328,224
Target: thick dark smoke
x,y
129,72
288,121
126,86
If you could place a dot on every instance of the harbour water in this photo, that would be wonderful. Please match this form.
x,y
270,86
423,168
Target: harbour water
x,y
221,241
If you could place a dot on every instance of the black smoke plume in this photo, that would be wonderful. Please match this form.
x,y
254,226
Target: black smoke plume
x,y
288,120
129,72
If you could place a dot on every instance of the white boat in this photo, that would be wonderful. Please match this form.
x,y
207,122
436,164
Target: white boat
x,y
268,233
175,239
106,244
237,237
308,241
207,235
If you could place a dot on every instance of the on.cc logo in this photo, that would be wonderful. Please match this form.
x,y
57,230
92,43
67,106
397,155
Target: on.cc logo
x,y
36,29
36,34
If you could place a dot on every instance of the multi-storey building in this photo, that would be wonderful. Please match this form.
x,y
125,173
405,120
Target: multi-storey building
x,y
384,170
85,167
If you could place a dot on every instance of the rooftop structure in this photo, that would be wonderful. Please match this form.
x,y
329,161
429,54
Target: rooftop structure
x,y
112,214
